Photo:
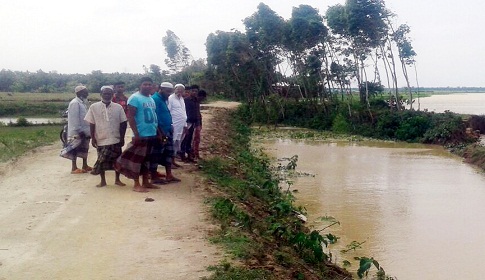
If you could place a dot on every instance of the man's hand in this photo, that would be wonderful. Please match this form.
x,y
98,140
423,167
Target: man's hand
x,y
94,143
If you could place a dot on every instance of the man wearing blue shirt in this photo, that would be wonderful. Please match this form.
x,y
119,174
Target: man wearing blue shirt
x,y
163,152
135,160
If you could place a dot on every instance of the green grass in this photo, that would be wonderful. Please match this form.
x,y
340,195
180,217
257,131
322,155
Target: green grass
x,y
16,141
36,104
226,271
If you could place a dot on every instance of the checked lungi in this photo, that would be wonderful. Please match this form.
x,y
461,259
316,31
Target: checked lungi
x,y
76,147
135,159
162,152
107,156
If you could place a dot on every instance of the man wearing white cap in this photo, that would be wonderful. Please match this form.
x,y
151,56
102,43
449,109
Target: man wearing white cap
x,y
176,105
108,124
163,151
78,133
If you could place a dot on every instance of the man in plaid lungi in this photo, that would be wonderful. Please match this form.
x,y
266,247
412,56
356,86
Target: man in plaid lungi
x,y
135,159
108,124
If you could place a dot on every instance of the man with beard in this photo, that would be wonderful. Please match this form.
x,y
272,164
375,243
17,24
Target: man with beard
x,y
107,121
77,131
176,105
163,152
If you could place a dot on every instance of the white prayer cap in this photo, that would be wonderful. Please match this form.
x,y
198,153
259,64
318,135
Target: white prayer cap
x,y
166,85
179,85
79,88
105,87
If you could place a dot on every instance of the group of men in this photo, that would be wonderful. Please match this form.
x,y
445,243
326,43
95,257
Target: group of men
x,y
166,122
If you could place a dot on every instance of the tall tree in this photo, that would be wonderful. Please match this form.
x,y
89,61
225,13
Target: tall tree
x,y
305,37
178,54
264,30
362,23
406,54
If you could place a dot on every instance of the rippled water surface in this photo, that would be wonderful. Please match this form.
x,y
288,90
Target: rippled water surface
x,y
420,210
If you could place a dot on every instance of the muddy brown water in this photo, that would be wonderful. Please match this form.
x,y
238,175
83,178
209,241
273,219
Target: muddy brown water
x,y
419,209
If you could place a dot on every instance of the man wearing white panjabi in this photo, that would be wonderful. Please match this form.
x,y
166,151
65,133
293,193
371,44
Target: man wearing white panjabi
x,y
176,105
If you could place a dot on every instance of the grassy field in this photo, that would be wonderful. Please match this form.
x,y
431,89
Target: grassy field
x,y
16,141
36,104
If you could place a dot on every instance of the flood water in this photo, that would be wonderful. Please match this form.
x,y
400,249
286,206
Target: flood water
x,y
419,209
462,103
33,120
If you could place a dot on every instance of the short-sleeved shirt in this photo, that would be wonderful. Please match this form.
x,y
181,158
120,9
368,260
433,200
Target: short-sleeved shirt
x,y
107,120
163,114
145,118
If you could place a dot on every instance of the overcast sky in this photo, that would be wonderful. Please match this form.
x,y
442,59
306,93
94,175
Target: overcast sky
x,y
124,35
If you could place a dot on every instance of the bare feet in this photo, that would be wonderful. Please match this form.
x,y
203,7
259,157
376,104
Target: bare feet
x,y
100,185
87,169
119,183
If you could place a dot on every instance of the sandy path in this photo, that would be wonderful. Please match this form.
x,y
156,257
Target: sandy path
x,y
54,225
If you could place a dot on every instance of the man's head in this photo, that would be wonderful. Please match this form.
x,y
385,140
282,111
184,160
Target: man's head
x,y
81,92
201,95
107,93
187,91
194,90
146,86
166,89
179,90
119,87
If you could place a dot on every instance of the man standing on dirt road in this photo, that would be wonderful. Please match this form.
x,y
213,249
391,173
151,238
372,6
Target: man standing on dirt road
x,y
108,127
136,158
163,152
78,133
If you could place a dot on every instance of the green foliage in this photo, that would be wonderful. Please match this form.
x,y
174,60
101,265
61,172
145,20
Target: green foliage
x,y
412,126
178,54
30,109
53,82
255,210
22,122
341,124
445,128
226,271
235,242
16,141
407,125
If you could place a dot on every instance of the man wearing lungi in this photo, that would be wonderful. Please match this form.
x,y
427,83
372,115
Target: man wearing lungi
x,y
136,158
108,123
176,105
163,152
78,133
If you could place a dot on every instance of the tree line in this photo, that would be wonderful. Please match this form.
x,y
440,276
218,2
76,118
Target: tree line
x,y
309,56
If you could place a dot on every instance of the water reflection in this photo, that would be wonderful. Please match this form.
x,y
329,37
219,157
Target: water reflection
x,y
419,209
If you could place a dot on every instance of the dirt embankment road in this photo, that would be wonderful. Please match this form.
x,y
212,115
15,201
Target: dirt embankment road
x,y
54,225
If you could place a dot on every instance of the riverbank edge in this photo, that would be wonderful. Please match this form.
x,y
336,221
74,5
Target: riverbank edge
x,y
259,224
